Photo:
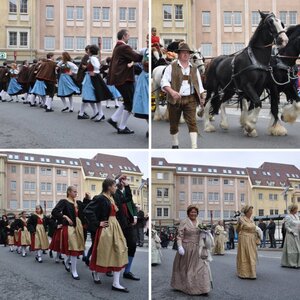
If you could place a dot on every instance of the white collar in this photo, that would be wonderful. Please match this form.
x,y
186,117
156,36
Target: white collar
x,y
179,63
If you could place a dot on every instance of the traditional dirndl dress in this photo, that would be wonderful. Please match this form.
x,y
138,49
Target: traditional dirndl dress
x,y
72,241
110,251
14,87
88,90
140,107
39,88
55,244
116,94
10,240
39,239
24,238
67,86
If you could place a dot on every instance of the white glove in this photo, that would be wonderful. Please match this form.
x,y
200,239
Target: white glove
x,y
181,250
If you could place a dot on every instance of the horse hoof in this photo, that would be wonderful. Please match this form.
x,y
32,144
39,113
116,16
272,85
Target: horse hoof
x,y
248,127
209,128
277,130
253,133
224,126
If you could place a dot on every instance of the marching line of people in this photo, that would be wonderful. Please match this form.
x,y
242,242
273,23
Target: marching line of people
x,y
110,217
95,83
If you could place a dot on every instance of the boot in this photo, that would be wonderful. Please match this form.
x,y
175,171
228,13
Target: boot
x,y
193,136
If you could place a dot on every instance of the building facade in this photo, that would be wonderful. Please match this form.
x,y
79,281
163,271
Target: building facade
x,y
30,179
18,30
70,25
219,191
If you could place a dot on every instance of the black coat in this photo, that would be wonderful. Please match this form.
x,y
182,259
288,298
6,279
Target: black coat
x,y
231,232
18,224
271,227
96,211
3,231
52,226
32,222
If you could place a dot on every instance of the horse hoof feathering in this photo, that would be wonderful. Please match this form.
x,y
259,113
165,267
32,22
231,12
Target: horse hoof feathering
x,y
224,125
200,113
253,133
290,112
277,130
209,128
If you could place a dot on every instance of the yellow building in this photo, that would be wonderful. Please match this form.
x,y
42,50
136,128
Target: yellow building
x,y
173,20
18,30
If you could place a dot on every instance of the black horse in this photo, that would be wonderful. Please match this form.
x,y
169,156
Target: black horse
x,y
245,72
283,78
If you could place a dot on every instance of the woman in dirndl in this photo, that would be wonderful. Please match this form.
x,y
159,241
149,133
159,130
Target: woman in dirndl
x,y
110,253
72,239
10,236
54,232
37,223
23,234
14,87
140,107
220,233
66,84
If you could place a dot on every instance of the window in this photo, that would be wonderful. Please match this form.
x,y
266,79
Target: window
x,y
24,6
79,13
13,204
276,211
61,172
166,212
166,193
122,14
107,43
206,49
227,18
213,181
159,176
226,214
29,170
238,47
178,12
12,38
93,187
96,13
181,180
159,193
212,197
105,14
226,48
133,43
242,197
159,212
13,169
167,9
275,197
242,183
70,12
228,197
46,171
13,185
49,12
271,211
69,43
13,6
260,196
61,187
80,43
237,18
270,196
49,42
260,212
49,204
131,14
255,18
293,17
29,204
206,18
197,197
228,182
29,186
182,214
217,214
46,187
197,181
181,196
202,214
283,17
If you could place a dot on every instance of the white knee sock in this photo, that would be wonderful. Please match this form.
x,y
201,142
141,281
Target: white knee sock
x,y
25,97
116,282
94,108
71,103
23,250
49,102
118,113
31,99
126,114
193,136
73,266
39,253
43,100
100,110
82,108
175,141
63,99
11,248
116,101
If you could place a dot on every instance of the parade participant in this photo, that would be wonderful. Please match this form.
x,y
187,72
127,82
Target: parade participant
x,y
127,217
155,248
246,252
24,239
140,225
3,230
191,271
45,82
54,231
37,224
14,87
72,239
272,227
219,239
23,80
155,40
121,74
10,236
4,80
262,225
140,107
82,67
291,250
94,88
31,80
109,250
66,84
182,83
231,233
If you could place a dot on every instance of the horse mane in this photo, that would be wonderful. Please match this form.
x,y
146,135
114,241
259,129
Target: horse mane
x,y
258,28
293,32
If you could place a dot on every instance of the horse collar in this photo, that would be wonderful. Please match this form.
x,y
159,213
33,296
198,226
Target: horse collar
x,y
254,60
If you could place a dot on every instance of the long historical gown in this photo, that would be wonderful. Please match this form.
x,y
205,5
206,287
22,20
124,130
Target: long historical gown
x,y
291,249
191,271
247,248
219,248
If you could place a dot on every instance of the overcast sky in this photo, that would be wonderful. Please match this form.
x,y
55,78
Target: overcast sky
x,y
138,157
231,158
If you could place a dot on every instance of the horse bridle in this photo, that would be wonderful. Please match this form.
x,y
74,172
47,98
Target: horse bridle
x,y
267,20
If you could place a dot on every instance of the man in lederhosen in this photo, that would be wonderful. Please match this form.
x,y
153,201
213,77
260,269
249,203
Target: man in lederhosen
x,y
182,83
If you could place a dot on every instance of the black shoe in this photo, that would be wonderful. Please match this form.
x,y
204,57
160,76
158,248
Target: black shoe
x,y
76,278
32,105
102,118
60,257
50,254
126,130
82,117
131,276
175,147
119,290
87,262
3,100
96,115
109,274
117,106
49,110
96,281
71,110
107,106
36,258
67,268
65,109
112,123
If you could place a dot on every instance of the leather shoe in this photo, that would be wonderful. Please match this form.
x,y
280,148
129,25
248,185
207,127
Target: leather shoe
x,y
76,278
96,115
130,276
67,268
65,109
102,118
119,290
96,281
112,123
82,117
109,274
126,130
49,110
175,147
